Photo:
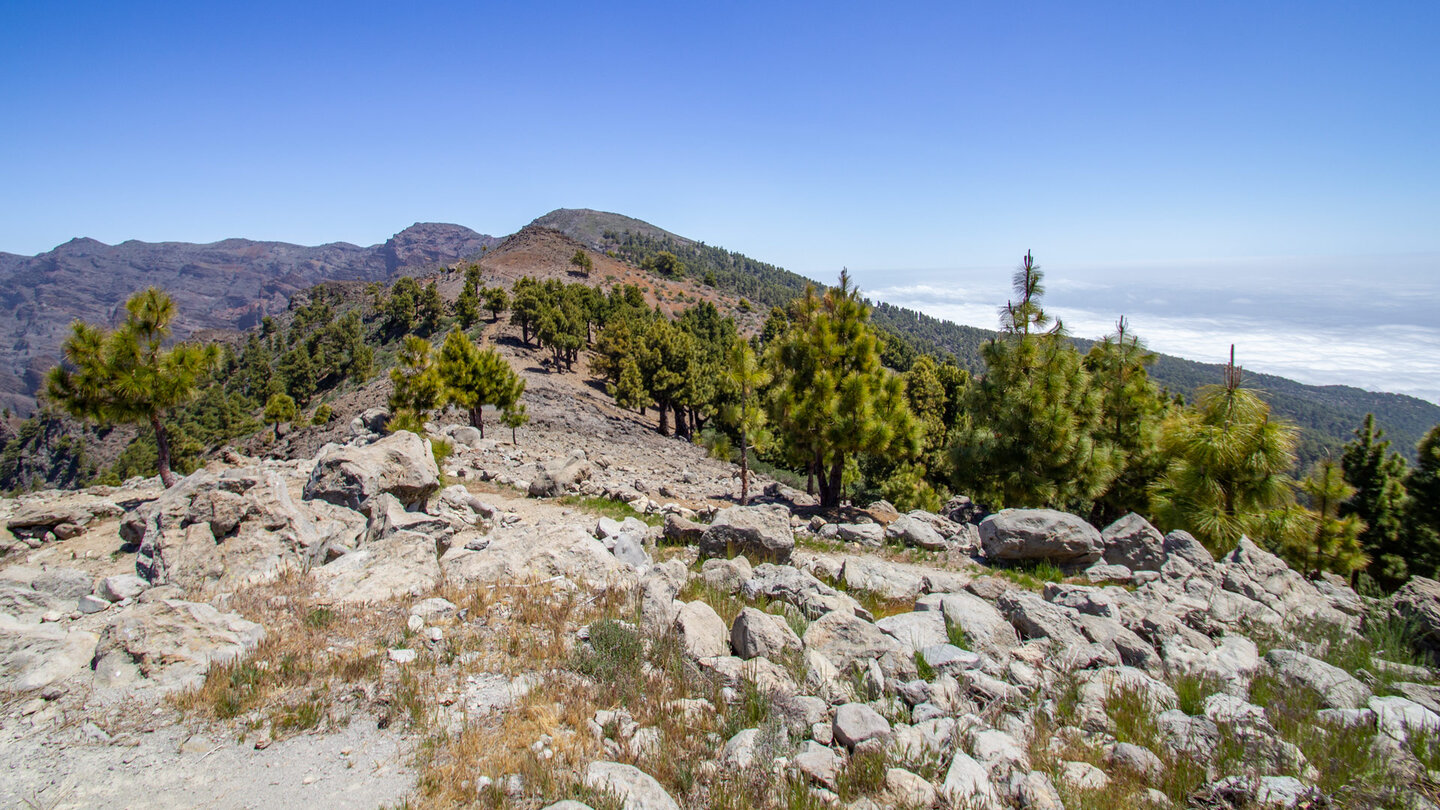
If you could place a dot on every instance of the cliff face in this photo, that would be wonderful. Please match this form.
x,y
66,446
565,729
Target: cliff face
x,y
229,284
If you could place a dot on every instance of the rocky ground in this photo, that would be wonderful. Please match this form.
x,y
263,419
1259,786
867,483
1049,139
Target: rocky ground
x,y
587,615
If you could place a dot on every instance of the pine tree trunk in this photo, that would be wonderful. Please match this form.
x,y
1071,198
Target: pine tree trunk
x,y
664,409
162,452
831,483
477,419
744,471
682,428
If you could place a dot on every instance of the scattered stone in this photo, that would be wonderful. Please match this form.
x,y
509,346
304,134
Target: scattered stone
x,y
702,631
856,723
757,633
637,790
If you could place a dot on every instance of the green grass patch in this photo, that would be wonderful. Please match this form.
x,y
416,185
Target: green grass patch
x,y
1192,691
608,507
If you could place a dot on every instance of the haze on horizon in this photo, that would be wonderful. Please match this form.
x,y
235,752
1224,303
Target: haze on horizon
x,y
1227,172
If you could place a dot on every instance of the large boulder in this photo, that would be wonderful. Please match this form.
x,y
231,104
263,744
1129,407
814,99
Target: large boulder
x,y
756,633
402,563
523,554
702,631
759,532
400,464
33,656
856,723
1335,686
27,604
171,644
786,583
558,475
873,575
847,640
65,514
986,628
1015,535
636,789
1419,603
1132,542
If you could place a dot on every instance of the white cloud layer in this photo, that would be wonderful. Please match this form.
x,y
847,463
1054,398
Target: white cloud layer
x,y
1370,328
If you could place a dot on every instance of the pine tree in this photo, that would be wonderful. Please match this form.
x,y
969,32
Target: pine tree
x,y
497,301
745,415
401,306
1029,433
629,389
832,399
1422,518
1133,411
513,417
430,308
1228,466
280,408
418,389
473,377
582,262
1334,542
127,375
525,306
1378,476
298,373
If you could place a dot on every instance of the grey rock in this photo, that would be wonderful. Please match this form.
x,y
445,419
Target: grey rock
x,y
1109,573
847,641
916,630
726,575
637,790
559,475
967,784
1040,534
870,534
400,464
1132,542
90,603
171,644
856,723
820,763
1336,687
1418,601
121,586
64,583
759,532
1265,792
756,633
630,551
1183,545
26,604
984,625
33,656
882,578
788,584
1033,617
1399,717
914,532
702,631
683,531
949,658
909,789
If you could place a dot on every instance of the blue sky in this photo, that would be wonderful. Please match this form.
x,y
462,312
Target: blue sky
x,y
901,140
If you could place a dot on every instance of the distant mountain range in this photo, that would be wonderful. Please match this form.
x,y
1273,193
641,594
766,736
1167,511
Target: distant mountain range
x,y
232,284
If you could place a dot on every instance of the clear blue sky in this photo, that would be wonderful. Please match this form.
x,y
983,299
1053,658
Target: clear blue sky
x,y
872,135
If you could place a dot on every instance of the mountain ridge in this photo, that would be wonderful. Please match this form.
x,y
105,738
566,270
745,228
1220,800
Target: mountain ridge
x,y
233,283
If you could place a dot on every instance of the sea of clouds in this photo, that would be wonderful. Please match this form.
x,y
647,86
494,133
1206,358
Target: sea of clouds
x,y
1370,322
